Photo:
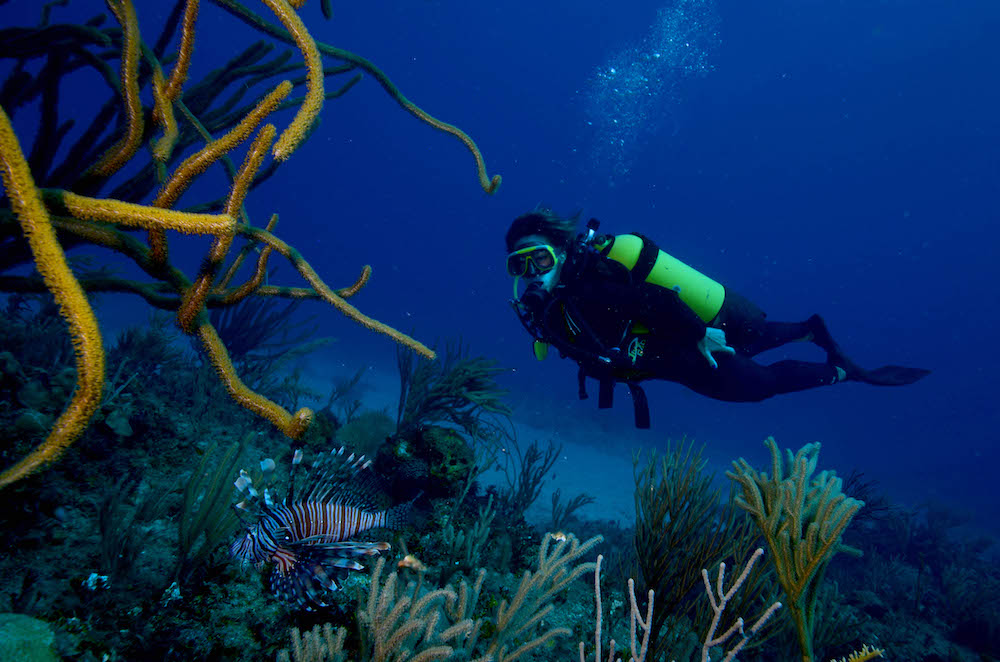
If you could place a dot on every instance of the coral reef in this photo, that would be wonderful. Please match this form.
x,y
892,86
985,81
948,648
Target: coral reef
x,y
680,530
802,516
104,548
98,560
26,639
417,623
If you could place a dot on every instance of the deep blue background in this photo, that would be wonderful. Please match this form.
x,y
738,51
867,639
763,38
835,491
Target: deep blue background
x,y
842,158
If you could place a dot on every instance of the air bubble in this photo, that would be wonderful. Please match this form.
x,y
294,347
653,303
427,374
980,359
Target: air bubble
x,y
647,82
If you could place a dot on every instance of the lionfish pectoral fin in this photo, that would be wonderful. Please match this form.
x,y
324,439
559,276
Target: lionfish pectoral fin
x,y
343,547
317,572
346,563
325,580
373,549
359,548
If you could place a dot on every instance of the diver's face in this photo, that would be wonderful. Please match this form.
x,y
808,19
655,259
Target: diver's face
x,y
542,262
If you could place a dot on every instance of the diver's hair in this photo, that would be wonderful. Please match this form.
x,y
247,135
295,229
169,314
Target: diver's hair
x,y
558,230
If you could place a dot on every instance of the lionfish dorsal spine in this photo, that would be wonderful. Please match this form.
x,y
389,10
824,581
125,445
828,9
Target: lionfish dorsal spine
x,y
296,461
243,481
343,479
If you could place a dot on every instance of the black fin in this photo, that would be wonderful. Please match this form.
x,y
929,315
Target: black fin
x,y
887,375
892,375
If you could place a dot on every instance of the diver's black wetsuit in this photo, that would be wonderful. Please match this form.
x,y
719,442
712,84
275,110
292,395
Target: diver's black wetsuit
x,y
738,378
594,312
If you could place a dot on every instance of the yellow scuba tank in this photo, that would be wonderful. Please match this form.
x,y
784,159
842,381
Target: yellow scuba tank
x,y
702,294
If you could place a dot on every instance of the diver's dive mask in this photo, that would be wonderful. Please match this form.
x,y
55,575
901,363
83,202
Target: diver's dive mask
x,y
541,257
536,264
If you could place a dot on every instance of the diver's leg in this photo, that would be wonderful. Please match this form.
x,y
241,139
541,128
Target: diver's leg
x,y
740,379
748,331
820,336
790,376
776,334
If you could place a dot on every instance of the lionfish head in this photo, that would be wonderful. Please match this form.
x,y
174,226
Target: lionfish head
x,y
254,545
249,548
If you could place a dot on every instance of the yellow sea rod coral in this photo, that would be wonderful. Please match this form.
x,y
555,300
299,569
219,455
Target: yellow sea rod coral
x,y
51,263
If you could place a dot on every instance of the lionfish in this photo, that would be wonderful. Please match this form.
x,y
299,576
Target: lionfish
x,y
309,540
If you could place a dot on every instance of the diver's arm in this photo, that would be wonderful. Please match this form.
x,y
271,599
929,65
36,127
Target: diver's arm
x,y
714,342
657,308
684,325
667,316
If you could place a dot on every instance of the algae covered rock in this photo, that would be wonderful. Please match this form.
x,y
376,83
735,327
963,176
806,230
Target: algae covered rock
x,y
434,460
448,454
26,639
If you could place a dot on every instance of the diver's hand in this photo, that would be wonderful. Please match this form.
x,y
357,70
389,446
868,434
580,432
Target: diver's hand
x,y
714,341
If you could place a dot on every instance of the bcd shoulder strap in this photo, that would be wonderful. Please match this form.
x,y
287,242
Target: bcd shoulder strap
x,y
647,258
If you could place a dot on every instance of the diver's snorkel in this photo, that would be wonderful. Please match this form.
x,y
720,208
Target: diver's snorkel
x,y
517,281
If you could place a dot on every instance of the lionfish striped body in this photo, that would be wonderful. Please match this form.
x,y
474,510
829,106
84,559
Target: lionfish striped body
x,y
309,541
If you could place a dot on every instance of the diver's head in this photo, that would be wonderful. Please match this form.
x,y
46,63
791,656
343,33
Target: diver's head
x,y
535,261
537,245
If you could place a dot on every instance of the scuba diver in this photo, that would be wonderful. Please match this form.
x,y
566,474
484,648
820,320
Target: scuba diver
x,y
626,311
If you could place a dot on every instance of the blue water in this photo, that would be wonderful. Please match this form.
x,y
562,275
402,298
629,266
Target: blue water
x,y
839,158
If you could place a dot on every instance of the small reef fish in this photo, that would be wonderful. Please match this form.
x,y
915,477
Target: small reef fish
x,y
411,562
308,541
